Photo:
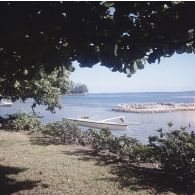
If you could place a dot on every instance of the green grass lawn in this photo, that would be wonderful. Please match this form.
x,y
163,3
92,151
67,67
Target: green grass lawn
x,y
29,168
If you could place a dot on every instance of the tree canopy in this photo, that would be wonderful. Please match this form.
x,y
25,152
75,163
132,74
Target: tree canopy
x,y
45,89
119,35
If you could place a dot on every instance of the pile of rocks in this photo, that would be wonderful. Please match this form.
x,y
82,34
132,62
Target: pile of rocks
x,y
154,107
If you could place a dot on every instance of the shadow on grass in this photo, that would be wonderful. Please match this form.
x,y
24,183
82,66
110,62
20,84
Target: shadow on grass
x,y
41,140
44,140
84,154
150,179
5,124
9,185
136,178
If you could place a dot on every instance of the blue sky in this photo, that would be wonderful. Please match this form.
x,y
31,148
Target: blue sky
x,y
176,73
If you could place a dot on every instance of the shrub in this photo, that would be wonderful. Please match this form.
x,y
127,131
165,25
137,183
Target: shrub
x,y
175,151
141,153
99,140
67,132
23,121
122,147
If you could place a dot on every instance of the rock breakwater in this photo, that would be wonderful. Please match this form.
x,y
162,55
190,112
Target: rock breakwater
x,y
154,107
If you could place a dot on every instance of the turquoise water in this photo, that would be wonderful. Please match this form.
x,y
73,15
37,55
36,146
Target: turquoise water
x,y
100,106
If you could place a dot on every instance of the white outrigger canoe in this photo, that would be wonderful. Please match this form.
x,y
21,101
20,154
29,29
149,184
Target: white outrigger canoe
x,y
87,122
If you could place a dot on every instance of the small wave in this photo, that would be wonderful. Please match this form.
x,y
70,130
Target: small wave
x,y
154,107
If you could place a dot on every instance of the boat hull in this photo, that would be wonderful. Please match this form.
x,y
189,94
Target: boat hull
x,y
6,104
99,124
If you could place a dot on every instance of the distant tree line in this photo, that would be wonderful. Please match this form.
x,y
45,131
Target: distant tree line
x,y
77,88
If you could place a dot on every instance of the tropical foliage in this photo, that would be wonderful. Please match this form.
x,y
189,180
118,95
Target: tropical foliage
x,y
66,131
120,35
175,152
45,89
121,147
23,121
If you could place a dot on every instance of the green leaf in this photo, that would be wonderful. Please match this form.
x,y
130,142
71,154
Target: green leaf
x,y
108,4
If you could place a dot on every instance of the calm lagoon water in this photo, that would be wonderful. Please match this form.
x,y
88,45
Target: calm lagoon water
x,y
100,106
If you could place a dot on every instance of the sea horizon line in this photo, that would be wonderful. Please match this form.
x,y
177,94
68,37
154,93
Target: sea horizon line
x,y
190,91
